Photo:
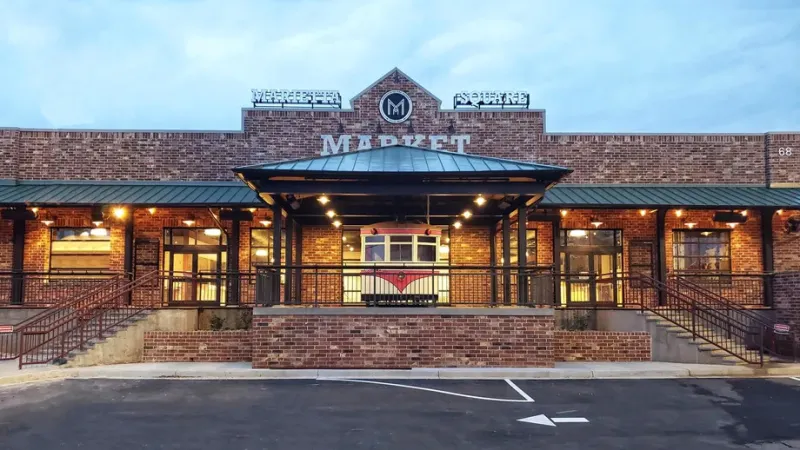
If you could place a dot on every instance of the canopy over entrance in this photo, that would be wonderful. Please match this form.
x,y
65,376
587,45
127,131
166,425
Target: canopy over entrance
x,y
400,183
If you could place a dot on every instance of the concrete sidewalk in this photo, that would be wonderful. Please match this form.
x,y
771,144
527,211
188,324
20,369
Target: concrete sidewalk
x,y
566,370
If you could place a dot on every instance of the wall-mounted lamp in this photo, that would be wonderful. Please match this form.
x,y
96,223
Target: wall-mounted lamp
x,y
595,222
190,220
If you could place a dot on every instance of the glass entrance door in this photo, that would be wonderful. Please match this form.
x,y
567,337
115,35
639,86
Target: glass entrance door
x,y
591,266
195,264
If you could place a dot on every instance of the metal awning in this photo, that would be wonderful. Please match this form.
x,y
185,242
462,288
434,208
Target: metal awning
x,y
237,194
669,196
151,193
402,159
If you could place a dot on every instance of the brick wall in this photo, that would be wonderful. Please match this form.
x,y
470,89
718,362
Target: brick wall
x,y
783,150
787,300
271,135
614,346
6,244
469,246
322,245
786,246
197,346
402,341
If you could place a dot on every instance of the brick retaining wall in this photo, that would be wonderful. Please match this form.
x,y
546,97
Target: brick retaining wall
x,y
197,346
402,341
616,346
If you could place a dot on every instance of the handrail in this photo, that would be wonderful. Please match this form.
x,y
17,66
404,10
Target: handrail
x,y
713,318
86,297
758,319
77,319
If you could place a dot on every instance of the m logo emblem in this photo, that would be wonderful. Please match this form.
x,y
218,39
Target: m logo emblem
x,y
395,106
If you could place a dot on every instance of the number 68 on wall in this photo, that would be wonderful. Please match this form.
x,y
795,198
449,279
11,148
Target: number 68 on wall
x,y
785,151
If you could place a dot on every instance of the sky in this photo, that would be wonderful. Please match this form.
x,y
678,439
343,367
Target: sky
x,y
693,66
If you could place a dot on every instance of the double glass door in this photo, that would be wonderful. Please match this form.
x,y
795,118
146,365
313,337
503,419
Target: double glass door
x,y
195,263
591,272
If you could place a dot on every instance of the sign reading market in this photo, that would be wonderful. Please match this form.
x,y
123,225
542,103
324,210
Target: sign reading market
x,y
344,143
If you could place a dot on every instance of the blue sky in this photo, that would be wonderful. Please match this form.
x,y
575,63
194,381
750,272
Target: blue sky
x,y
594,65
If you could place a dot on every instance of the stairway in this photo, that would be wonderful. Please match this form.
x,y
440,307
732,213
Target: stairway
x,y
710,343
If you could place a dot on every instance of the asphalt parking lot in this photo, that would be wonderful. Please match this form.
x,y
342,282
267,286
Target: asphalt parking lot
x,y
326,414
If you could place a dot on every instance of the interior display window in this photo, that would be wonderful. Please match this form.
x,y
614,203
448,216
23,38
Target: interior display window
x,y
351,246
705,251
530,247
444,247
80,249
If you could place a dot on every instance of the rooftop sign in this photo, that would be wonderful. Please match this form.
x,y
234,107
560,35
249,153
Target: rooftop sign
x,y
296,97
499,99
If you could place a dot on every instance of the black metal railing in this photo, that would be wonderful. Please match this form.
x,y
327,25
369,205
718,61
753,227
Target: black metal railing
x,y
696,313
746,289
399,285
779,339
43,289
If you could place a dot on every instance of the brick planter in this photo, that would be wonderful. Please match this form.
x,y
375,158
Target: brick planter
x,y
197,346
400,338
613,346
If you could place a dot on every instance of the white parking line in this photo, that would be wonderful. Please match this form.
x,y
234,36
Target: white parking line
x,y
519,391
569,419
795,378
419,388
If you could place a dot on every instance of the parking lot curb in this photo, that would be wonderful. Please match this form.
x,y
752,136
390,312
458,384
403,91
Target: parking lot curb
x,y
222,371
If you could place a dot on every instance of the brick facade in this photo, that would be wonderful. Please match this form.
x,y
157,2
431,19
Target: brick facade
x,y
269,135
197,346
614,346
401,341
279,134
787,300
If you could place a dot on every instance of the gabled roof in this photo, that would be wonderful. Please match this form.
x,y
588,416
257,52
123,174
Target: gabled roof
x,y
400,159
385,76
651,196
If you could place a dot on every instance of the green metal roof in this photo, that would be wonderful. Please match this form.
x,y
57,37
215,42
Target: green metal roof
x,y
162,193
153,193
706,196
404,159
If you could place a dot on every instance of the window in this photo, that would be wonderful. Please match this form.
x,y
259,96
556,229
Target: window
x,y
702,251
80,249
444,247
401,248
405,248
426,248
351,246
530,247
261,240
374,248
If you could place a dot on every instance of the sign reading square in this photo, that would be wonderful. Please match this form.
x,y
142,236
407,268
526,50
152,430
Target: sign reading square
x,y
395,106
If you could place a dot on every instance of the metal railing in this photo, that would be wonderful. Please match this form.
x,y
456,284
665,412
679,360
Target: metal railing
x,y
746,289
696,314
97,314
779,340
404,285
42,289
69,295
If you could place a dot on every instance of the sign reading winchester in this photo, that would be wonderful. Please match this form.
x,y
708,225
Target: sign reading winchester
x,y
344,143
299,97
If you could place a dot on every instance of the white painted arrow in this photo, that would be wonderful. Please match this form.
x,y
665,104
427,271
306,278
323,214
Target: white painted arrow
x,y
541,419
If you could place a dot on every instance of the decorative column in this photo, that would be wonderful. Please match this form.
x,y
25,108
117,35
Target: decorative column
x,y
506,259
18,262
767,255
234,279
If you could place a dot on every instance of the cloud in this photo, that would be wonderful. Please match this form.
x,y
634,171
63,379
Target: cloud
x,y
682,66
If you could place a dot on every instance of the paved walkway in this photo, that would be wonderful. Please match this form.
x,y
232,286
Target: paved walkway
x,y
9,374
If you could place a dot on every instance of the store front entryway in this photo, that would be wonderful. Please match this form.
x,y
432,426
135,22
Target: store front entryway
x,y
194,260
591,264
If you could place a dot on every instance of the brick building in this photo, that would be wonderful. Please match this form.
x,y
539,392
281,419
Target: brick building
x,y
499,210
